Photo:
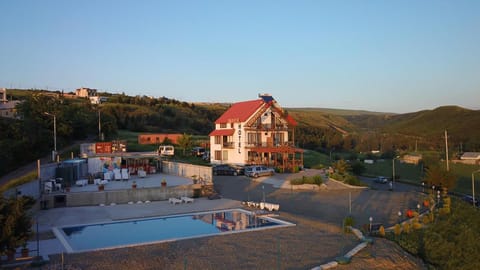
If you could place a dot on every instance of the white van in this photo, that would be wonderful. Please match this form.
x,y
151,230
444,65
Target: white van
x,y
166,150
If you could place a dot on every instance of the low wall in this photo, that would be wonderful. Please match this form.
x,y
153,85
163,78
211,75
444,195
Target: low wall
x,y
121,196
188,170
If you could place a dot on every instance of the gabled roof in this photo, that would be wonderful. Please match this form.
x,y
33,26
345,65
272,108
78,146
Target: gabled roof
x,y
240,111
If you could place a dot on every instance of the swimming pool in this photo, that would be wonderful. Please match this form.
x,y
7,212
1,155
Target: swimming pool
x,y
162,229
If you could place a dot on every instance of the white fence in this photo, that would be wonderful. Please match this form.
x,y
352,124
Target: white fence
x,y
202,173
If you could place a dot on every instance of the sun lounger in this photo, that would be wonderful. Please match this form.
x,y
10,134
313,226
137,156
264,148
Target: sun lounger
x,y
142,173
174,201
187,199
117,174
81,183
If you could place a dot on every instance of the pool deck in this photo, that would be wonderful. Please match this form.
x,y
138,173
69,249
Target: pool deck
x,y
59,217
151,180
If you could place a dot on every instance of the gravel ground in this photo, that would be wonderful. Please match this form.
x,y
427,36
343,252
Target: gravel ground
x,y
309,244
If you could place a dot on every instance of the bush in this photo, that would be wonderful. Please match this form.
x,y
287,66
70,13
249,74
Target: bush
x,y
452,243
352,180
348,221
416,225
425,219
406,227
397,230
381,231
314,180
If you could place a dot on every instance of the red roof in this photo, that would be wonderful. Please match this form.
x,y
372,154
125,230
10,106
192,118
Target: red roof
x,y
222,132
291,121
240,112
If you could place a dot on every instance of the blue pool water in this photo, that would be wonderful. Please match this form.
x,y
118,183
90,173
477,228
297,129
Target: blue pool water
x,y
160,229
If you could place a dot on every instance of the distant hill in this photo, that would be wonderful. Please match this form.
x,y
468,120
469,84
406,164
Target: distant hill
x,y
459,122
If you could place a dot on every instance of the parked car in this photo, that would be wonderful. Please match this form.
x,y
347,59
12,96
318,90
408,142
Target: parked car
x,y
198,151
206,156
226,169
256,171
469,199
166,150
381,180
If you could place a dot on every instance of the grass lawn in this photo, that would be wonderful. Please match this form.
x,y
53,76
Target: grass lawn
x,y
413,173
313,159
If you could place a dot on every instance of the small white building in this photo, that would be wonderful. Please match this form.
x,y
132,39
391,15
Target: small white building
x,y
470,156
256,132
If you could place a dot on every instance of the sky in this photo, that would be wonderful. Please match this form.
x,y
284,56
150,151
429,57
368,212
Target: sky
x,y
386,55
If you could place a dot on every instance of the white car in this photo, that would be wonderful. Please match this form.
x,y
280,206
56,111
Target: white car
x,y
256,171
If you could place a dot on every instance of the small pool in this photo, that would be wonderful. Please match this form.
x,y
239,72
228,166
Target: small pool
x,y
162,229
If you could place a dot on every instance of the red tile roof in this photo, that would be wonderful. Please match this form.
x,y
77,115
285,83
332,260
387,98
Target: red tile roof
x,y
240,111
222,132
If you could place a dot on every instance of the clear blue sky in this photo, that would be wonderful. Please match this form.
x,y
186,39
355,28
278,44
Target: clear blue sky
x,y
391,56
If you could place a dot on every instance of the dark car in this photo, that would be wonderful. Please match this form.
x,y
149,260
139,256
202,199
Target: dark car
x,y
226,169
198,151
469,199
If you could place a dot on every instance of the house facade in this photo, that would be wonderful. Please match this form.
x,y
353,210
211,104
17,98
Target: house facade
x,y
7,108
256,132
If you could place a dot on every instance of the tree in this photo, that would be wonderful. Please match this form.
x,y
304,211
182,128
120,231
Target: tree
x,y
185,141
15,223
436,176
358,168
341,167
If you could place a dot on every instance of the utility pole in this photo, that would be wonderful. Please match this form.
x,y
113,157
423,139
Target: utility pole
x,y
446,149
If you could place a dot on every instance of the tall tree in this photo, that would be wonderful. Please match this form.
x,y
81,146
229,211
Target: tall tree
x,y
185,141
441,178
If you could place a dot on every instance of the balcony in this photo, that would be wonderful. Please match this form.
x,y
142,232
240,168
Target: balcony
x,y
269,144
228,145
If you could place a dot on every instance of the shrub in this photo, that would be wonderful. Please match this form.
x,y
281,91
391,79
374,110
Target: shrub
x,y
352,180
397,230
314,180
348,221
406,227
381,231
296,181
425,219
416,225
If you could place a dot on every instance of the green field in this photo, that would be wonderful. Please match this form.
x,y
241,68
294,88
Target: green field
x,y
404,172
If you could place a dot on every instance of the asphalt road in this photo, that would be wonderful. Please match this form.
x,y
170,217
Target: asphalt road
x,y
329,206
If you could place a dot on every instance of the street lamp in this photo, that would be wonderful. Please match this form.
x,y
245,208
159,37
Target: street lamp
x,y
370,219
54,153
473,187
423,187
418,208
399,216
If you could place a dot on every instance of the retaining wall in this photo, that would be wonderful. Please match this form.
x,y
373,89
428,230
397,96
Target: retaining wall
x,y
121,196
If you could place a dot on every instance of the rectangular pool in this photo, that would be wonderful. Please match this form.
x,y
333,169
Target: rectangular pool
x,y
162,229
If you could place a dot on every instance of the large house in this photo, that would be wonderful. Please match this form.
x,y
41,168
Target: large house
x,y
7,108
256,132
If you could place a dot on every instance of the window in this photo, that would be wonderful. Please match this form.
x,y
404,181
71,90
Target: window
x,y
218,139
253,138
218,155
225,155
223,125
